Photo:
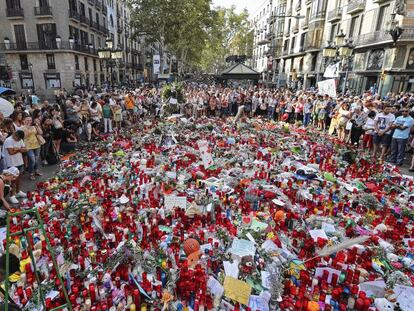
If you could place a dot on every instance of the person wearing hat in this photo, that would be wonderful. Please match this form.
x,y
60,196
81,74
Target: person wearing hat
x,y
13,149
6,177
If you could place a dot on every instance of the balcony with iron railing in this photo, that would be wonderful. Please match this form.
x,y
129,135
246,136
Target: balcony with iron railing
x,y
84,20
47,46
313,44
295,28
335,15
381,36
318,15
14,12
279,35
74,15
305,23
43,11
355,6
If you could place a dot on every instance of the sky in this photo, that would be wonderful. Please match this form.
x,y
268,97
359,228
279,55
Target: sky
x,y
250,5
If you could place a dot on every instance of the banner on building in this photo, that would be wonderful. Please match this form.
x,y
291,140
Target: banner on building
x,y
156,61
332,71
327,87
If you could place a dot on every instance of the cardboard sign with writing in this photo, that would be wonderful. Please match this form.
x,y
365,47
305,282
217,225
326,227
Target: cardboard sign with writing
x,y
237,290
327,87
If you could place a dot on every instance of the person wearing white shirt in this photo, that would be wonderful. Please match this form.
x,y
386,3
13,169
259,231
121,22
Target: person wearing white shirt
x,y
383,131
13,148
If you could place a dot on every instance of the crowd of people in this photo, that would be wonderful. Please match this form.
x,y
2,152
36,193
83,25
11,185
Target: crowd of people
x,y
38,133
381,126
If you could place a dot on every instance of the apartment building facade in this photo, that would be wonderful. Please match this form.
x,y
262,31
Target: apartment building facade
x,y
300,29
262,27
52,44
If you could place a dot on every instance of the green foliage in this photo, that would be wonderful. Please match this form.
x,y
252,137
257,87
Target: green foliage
x,y
230,34
181,26
197,34
167,91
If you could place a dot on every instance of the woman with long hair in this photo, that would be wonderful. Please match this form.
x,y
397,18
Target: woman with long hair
x,y
31,130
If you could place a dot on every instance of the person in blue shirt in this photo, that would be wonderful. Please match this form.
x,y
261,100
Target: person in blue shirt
x,y
402,126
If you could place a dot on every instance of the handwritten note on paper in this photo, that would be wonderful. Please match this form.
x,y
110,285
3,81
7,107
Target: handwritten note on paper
x,y
205,153
231,269
172,201
265,279
259,302
405,296
328,228
373,288
215,287
241,248
237,290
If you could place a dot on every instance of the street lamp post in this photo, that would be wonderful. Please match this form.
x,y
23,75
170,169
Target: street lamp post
x,y
395,30
110,55
31,72
340,50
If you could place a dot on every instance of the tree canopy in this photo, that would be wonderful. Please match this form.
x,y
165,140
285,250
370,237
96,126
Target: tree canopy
x,y
199,35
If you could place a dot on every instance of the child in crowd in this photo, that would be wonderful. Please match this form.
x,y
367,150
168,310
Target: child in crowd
x,y
369,128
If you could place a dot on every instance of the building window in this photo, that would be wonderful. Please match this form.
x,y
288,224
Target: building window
x,y
52,81
86,64
292,45
334,31
94,65
84,38
24,64
20,36
46,34
99,42
302,41
286,45
383,15
353,26
76,62
93,40
74,32
13,4
50,61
